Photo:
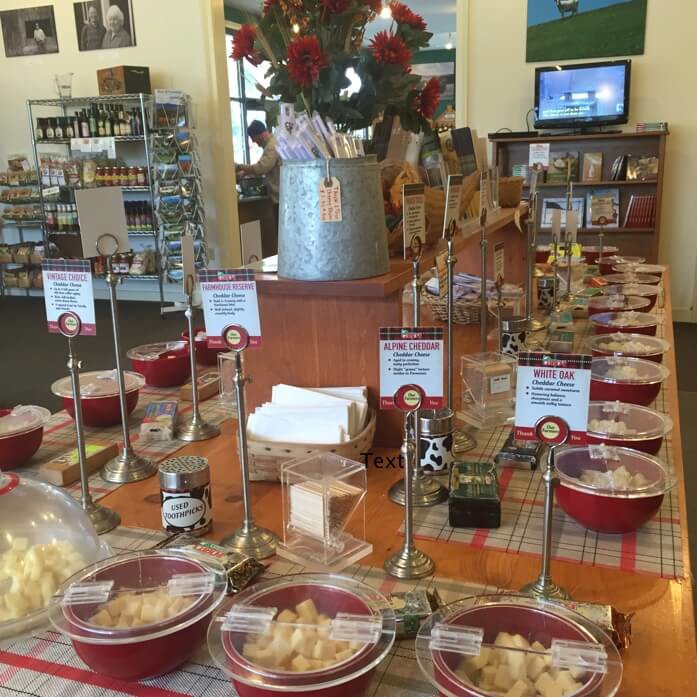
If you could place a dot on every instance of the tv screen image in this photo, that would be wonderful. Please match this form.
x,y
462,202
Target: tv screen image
x,y
593,94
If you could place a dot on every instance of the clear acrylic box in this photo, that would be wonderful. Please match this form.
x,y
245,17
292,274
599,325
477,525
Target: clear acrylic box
x,y
324,512
226,371
488,389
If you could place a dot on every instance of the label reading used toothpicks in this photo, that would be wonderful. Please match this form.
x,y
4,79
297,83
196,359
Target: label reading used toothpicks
x,y
552,384
414,218
410,355
68,289
330,200
229,296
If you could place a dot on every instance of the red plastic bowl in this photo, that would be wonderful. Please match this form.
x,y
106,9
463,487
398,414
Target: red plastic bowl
x,y
606,303
592,252
653,269
602,324
655,353
204,354
16,450
604,511
535,624
328,599
606,264
169,369
102,411
641,390
149,658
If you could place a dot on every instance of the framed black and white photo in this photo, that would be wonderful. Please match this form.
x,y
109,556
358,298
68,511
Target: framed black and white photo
x,y
29,31
102,24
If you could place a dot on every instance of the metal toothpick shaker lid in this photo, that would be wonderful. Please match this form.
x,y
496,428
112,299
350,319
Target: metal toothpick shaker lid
x,y
185,494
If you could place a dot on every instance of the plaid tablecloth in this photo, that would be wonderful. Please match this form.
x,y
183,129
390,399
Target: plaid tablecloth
x,y
655,549
47,665
59,435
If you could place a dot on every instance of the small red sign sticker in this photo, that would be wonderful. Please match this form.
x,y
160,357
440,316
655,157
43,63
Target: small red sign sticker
x,y
552,430
409,397
69,324
235,337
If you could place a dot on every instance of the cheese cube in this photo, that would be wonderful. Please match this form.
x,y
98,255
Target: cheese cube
x,y
281,650
487,677
344,655
503,680
300,664
324,650
301,643
536,665
519,689
566,682
307,611
547,658
474,663
287,616
547,686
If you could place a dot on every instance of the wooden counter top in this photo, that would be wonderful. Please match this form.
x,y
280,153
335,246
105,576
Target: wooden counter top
x,y
662,659
400,271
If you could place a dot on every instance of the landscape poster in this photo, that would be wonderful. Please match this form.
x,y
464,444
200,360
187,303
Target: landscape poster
x,y
572,29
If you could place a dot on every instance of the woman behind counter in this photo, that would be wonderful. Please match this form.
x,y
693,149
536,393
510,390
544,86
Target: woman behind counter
x,y
116,36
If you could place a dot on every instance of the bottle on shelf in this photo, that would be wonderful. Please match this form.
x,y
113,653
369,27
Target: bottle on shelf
x,y
84,125
68,131
40,131
93,121
141,176
50,132
76,125
132,176
101,129
108,129
58,129
138,122
115,125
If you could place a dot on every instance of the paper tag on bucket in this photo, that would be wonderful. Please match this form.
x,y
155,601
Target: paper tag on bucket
x,y
330,200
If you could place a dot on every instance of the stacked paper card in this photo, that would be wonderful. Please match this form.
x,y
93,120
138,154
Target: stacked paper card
x,y
320,415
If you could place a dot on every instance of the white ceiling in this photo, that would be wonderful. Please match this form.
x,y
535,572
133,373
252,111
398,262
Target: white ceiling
x,y
439,15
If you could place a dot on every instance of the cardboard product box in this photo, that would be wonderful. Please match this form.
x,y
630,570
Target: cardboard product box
x,y
124,79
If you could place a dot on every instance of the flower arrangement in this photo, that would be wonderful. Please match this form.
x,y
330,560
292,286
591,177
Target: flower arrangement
x,y
311,44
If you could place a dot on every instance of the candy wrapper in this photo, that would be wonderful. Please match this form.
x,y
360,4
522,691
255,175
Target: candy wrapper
x,y
240,569
411,609
617,625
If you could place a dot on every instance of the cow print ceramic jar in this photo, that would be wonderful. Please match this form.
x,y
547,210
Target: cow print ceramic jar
x,y
513,335
436,440
545,293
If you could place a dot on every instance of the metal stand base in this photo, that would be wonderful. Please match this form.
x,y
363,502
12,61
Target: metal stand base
x,y
103,519
463,442
254,542
536,325
128,467
197,430
545,589
426,491
410,564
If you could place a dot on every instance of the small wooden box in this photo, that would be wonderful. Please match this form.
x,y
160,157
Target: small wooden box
x,y
123,79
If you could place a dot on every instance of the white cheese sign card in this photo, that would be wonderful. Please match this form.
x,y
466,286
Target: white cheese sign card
x,y
414,217
411,356
68,288
229,296
552,384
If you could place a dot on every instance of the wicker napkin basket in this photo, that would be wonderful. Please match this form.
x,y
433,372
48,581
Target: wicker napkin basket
x,y
266,458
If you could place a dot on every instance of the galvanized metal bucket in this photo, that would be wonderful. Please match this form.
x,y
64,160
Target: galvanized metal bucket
x,y
355,247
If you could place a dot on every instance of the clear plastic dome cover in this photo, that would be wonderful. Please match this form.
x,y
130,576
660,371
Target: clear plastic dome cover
x,y
22,419
303,633
516,645
625,319
610,471
629,277
98,383
618,302
45,537
153,352
619,344
622,369
628,422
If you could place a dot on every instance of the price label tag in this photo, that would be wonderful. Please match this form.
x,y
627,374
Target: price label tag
x,y
51,191
229,297
414,217
68,290
451,221
555,384
411,356
330,200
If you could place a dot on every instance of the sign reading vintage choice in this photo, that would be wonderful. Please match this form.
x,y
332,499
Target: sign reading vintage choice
x,y
553,390
411,356
68,290
229,297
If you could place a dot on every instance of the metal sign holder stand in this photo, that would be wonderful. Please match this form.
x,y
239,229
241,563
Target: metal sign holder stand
x,y
104,519
534,325
127,466
249,539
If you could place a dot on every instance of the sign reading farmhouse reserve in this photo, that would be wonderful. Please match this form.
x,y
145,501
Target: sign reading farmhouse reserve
x,y
556,384
411,356
68,288
229,296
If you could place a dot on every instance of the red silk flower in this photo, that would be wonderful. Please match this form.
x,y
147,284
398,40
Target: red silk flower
x,y
403,15
336,6
427,102
305,60
243,44
390,49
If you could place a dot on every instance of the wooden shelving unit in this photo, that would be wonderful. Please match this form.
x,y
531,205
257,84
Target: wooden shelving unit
x,y
508,152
